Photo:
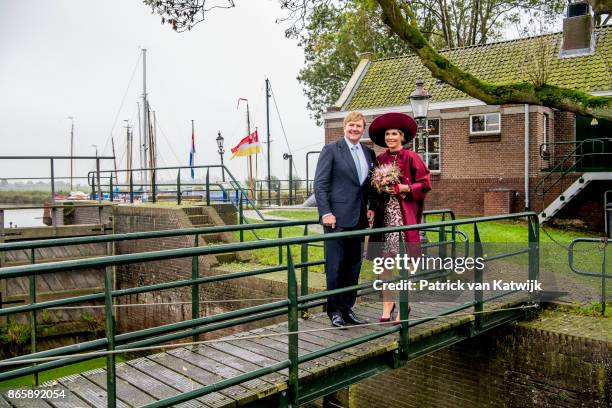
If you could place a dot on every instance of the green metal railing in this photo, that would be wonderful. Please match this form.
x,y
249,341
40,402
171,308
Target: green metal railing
x,y
570,162
602,275
230,191
198,325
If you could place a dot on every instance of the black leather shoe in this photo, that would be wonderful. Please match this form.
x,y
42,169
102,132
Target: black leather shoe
x,y
352,318
337,320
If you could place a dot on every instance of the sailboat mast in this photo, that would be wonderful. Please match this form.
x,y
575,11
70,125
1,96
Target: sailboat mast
x,y
71,153
114,161
268,137
128,154
145,115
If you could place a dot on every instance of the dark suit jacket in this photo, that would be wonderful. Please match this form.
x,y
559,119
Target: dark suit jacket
x,y
336,184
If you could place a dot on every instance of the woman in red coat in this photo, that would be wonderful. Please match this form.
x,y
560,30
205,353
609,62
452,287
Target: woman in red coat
x,y
400,203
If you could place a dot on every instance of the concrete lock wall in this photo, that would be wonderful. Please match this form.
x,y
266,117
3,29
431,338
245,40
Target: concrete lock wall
x,y
215,297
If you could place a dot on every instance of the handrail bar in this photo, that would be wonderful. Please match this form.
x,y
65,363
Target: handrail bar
x,y
603,275
46,243
24,270
43,206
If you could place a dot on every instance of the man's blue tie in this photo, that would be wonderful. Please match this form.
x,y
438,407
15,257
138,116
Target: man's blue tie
x,y
357,163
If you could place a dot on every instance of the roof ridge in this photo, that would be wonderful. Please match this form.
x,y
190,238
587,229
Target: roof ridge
x,y
596,29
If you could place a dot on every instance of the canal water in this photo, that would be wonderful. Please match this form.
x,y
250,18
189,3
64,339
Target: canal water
x,y
24,218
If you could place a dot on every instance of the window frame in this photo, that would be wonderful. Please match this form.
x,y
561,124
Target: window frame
x,y
485,132
439,152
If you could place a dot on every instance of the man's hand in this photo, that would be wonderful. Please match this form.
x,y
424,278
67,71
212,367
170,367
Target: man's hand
x,y
371,217
329,220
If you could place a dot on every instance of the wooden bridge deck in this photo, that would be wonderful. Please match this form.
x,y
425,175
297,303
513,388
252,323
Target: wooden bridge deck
x,y
158,376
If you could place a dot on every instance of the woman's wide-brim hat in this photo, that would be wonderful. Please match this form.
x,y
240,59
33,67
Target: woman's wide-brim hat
x,y
392,120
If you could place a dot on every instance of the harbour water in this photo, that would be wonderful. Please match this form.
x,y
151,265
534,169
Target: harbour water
x,y
24,218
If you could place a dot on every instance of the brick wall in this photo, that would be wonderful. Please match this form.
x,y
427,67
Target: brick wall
x,y
515,366
473,165
497,201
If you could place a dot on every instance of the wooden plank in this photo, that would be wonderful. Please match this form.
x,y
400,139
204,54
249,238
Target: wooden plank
x,y
304,341
238,363
151,385
215,399
125,391
220,368
4,403
313,367
87,391
255,358
167,376
273,354
69,400
360,351
25,402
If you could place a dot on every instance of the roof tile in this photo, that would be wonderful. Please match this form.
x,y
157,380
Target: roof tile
x,y
390,81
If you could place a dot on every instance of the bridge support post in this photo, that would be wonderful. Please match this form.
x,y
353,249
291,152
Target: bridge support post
x,y
178,187
478,274
33,324
131,187
154,185
293,328
534,253
208,186
195,288
304,274
404,306
109,311
240,215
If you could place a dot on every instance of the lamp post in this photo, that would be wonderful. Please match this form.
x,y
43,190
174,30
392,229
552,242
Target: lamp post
x,y
419,100
221,151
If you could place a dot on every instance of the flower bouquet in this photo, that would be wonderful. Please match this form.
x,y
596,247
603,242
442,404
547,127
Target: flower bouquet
x,y
385,175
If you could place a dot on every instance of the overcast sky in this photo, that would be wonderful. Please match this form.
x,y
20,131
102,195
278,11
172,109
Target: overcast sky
x,y
80,58
76,57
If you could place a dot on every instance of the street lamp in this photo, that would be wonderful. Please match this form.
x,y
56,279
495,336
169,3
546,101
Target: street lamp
x,y
221,151
419,100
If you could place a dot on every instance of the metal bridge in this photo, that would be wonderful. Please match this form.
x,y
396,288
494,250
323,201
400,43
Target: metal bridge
x,y
284,364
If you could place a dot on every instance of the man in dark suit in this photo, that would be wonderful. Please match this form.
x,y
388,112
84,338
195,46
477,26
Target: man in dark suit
x,y
341,186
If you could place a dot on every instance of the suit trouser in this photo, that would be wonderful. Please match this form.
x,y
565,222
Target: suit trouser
x,y
342,265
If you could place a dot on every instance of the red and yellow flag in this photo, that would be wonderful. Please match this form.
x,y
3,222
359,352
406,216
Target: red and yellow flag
x,y
247,146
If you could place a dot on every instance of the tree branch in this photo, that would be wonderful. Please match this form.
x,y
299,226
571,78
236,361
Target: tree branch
x,y
552,96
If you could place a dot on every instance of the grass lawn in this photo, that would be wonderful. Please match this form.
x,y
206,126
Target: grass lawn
x,y
270,256
498,236
26,381
294,214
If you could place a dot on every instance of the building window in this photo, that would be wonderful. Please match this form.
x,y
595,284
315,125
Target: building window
x,y
485,123
432,147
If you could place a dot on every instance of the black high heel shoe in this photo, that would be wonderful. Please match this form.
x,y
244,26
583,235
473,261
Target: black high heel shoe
x,y
388,319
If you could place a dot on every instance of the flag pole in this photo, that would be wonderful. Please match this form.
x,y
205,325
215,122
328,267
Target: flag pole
x,y
248,118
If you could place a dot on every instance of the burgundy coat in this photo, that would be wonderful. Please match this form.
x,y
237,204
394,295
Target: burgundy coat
x,y
414,173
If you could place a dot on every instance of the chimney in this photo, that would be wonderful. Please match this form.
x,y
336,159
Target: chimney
x,y
577,30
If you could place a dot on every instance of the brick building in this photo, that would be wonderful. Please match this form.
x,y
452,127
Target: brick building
x,y
491,159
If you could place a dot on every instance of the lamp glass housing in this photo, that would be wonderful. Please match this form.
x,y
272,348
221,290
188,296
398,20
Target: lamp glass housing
x,y
220,142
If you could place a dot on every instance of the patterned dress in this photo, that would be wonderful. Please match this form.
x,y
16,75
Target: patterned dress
x,y
392,218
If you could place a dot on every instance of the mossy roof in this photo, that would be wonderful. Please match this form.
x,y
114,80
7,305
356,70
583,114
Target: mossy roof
x,y
390,81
